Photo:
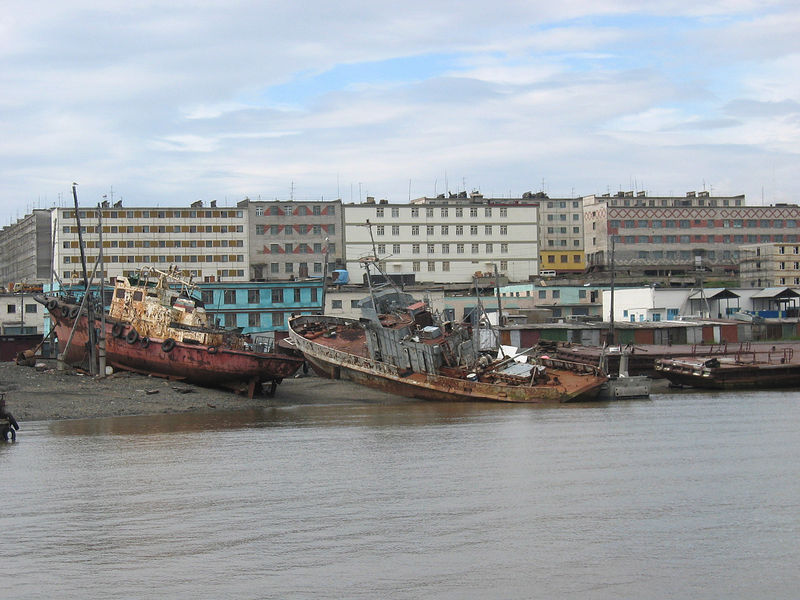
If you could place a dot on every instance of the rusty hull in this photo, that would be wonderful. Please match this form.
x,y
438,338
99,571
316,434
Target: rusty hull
x,y
213,366
776,368
345,355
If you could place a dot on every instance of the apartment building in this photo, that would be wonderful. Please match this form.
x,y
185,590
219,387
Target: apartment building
x,y
208,243
673,236
560,234
288,239
444,239
769,265
25,249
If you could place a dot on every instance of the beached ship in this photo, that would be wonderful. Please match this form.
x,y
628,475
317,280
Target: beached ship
x,y
155,329
400,346
748,368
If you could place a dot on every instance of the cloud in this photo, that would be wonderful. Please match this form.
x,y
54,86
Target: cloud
x,y
171,102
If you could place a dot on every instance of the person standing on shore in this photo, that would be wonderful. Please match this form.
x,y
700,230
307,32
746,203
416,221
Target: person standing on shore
x,y
8,424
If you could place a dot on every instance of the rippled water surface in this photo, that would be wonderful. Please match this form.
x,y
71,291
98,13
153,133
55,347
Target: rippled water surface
x,y
683,496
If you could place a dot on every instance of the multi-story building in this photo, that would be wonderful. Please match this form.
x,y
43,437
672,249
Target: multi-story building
x,y
20,314
560,234
258,307
673,236
25,249
769,264
445,240
288,240
207,243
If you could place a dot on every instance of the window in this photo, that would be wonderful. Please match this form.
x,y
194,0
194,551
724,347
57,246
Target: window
x,y
430,229
429,212
415,248
444,212
207,296
489,248
288,268
460,248
277,319
379,212
475,248
431,248
459,212
473,230
431,266
12,308
503,212
230,320
487,229
229,297
395,212
504,248
487,212
381,248
415,212
253,320
445,230
395,229
277,295
415,266
503,229
379,230
445,248
415,230
473,212
459,230
396,248
253,297
336,304
446,265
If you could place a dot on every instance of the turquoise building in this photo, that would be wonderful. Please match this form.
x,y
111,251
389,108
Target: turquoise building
x,y
258,307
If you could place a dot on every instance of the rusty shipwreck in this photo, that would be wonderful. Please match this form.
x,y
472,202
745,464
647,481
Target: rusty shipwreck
x,y
749,367
402,347
156,327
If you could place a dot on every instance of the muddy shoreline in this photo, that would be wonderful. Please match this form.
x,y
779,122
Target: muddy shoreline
x,y
49,394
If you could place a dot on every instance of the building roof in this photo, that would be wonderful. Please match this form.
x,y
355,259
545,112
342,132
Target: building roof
x,y
777,292
714,294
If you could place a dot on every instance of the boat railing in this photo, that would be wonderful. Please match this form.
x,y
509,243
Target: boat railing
x,y
568,365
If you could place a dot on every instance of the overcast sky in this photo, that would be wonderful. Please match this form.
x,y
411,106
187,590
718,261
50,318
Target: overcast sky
x,y
168,102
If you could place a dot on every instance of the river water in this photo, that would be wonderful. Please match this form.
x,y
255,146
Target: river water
x,y
691,495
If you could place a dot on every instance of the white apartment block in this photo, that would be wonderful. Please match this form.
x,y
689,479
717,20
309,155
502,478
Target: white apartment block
x,y
444,240
207,243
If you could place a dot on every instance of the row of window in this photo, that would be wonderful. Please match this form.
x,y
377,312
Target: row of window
x,y
164,258
255,320
551,258
576,243
275,210
220,274
552,230
257,296
445,248
687,239
111,229
29,309
685,255
158,244
687,223
444,229
290,248
416,265
444,211
158,214
288,267
296,229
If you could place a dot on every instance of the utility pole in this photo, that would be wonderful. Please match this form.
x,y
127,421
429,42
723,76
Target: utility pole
x,y
101,343
611,326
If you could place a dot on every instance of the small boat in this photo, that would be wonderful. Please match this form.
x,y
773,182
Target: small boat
x,y
155,329
401,347
773,368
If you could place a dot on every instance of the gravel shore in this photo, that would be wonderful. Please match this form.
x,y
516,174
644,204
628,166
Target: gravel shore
x,y
49,394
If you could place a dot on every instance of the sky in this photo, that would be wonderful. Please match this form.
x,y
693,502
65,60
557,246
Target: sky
x,y
162,103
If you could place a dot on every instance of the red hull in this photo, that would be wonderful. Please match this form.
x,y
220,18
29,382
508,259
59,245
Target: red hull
x,y
188,362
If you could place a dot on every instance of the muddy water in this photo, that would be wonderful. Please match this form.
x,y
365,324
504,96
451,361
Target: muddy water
x,y
684,496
